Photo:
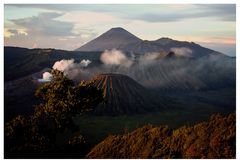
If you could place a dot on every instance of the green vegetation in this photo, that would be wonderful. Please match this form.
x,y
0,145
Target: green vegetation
x,y
36,135
213,139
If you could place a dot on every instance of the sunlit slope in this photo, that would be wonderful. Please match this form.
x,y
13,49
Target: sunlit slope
x,y
215,138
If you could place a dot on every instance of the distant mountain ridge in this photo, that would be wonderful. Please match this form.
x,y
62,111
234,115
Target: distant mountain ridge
x,y
20,62
121,39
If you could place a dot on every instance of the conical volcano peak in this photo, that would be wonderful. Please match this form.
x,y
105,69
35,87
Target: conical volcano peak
x,y
120,33
123,95
117,29
111,39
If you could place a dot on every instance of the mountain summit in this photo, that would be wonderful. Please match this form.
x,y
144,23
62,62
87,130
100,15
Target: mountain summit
x,y
112,39
120,39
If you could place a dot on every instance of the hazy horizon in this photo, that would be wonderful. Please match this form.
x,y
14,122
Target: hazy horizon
x,y
70,26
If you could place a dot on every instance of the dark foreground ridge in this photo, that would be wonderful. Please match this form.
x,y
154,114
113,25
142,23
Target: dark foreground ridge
x,y
213,139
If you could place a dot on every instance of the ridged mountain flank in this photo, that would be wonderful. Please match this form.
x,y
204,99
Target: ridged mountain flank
x,y
124,95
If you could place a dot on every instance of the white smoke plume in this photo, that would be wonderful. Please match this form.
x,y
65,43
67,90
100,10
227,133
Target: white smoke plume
x,y
149,58
182,51
85,63
64,65
70,68
115,58
46,77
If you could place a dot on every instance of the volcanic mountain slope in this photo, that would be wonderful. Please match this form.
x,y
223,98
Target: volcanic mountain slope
x,y
193,49
121,39
203,140
142,47
180,73
123,95
112,39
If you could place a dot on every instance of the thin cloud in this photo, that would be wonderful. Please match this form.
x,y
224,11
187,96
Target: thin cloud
x,y
170,13
45,24
219,12
46,31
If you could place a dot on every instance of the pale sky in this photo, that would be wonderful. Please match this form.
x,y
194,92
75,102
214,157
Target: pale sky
x,y
70,26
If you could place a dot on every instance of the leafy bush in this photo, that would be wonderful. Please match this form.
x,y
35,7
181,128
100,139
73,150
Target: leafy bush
x,y
36,135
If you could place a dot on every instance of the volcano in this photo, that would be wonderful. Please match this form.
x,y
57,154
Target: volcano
x,y
123,95
120,39
112,39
